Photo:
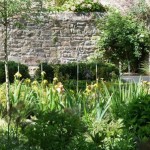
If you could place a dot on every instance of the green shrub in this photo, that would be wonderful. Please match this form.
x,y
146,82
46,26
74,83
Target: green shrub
x,y
2,72
84,6
137,118
13,68
109,134
48,69
86,71
55,130
72,84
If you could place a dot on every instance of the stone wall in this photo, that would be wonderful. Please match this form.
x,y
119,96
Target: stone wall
x,y
59,38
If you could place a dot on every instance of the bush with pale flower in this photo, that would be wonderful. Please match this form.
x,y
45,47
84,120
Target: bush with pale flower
x,y
83,6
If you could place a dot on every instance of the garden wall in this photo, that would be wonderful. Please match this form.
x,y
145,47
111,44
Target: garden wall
x,y
58,38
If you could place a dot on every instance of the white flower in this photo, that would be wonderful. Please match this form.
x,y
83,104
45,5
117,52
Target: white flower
x,y
89,5
73,8
81,1
78,3
43,73
55,79
95,1
83,5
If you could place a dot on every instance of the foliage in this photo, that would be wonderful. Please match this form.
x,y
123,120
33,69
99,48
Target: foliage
x,y
145,68
13,68
72,84
60,2
87,71
123,38
141,10
125,94
2,72
49,72
49,116
14,7
80,6
55,130
137,119
111,136
84,6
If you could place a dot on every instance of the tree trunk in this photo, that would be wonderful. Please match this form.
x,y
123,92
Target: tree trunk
x,y
5,23
6,57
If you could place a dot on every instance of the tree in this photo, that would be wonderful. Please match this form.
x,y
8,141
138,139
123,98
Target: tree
x,y
8,10
123,38
11,11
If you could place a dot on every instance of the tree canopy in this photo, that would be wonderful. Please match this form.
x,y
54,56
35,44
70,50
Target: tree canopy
x,y
123,38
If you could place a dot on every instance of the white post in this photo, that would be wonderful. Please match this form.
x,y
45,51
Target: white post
x,y
129,69
41,66
149,64
120,66
77,69
96,73
18,67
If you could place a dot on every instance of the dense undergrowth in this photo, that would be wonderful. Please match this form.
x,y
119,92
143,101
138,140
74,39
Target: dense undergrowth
x,y
49,116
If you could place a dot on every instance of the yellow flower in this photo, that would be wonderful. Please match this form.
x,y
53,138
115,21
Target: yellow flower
x,y
59,87
43,73
27,81
55,79
88,88
148,83
95,85
35,83
17,75
89,5
45,82
144,82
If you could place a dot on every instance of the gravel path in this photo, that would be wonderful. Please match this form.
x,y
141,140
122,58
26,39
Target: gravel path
x,y
135,78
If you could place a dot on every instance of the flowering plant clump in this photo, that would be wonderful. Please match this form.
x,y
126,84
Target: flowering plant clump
x,y
59,87
83,6
91,88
